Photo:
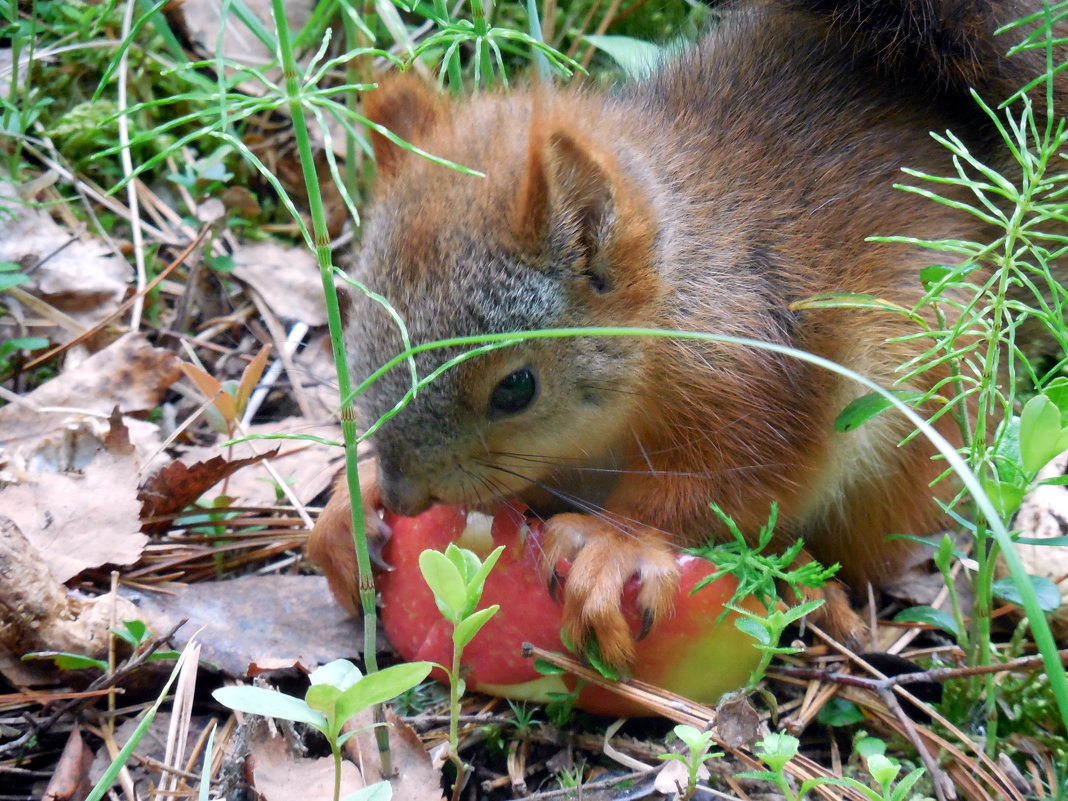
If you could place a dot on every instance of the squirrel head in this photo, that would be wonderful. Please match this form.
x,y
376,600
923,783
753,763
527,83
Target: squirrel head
x,y
558,234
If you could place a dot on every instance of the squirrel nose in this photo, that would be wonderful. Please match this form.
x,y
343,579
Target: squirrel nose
x,y
403,495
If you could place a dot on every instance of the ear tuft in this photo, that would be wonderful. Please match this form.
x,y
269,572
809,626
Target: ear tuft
x,y
409,107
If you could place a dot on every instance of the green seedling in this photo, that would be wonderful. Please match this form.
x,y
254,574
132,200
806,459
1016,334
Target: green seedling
x,y
698,744
338,692
776,751
133,632
767,630
457,578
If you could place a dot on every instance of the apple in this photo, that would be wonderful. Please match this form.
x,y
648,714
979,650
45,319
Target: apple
x,y
691,652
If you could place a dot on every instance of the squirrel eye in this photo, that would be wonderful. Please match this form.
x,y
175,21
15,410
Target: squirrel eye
x,y
514,393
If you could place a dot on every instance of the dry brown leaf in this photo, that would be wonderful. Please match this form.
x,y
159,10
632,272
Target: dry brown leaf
x,y
82,520
129,374
200,21
254,619
70,780
307,467
286,278
278,775
416,778
78,276
37,613
177,485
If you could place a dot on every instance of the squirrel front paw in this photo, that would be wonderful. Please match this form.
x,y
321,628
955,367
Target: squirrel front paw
x,y
603,556
330,543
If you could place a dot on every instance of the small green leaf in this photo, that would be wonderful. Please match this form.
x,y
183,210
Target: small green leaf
x,y
445,581
65,661
776,749
1049,595
467,628
930,616
1040,433
322,698
869,406
944,553
934,274
271,704
548,668
9,281
882,769
1005,496
478,579
754,629
377,688
866,746
840,712
137,628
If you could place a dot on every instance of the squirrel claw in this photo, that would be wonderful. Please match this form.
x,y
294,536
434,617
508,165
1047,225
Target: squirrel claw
x,y
603,559
647,623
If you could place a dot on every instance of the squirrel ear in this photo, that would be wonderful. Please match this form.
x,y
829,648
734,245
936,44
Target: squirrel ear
x,y
567,201
406,105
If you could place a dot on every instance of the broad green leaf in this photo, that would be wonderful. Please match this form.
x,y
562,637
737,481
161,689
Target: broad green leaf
x,y
548,668
271,704
934,274
840,712
467,628
137,628
882,769
377,688
1049,596
8,281
1005,496
340,673
1041,435
65,661
866,407
323,698
866,746
929,616
636,57
445,581
754,629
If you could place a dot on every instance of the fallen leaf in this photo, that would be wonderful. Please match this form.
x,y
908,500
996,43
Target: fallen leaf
x,y
306,467
82,520
286,278
415,779
70,779
278,775
129,374
37,613
254,619
79,276
175,486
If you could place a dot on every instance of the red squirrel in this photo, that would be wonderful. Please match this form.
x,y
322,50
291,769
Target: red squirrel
x,y
742,176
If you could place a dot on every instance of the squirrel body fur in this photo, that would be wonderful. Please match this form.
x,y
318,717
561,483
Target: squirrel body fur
x,y
744,175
